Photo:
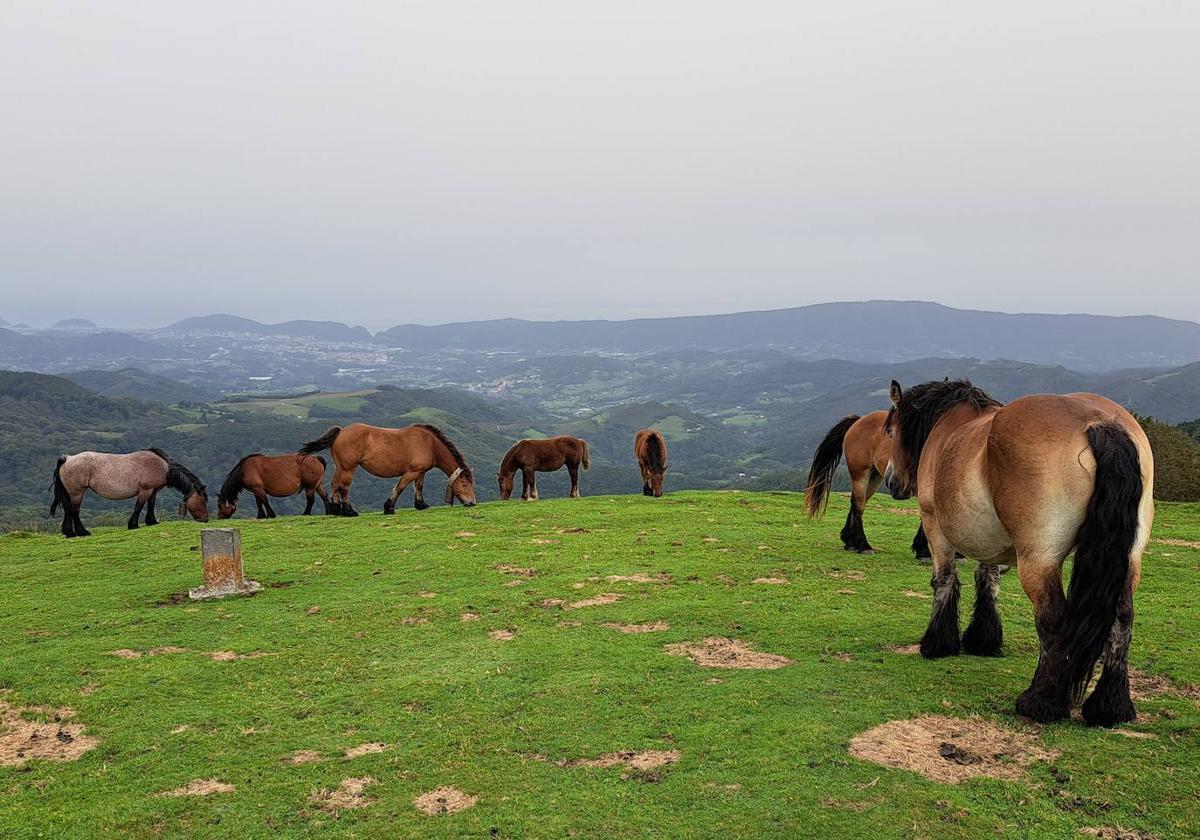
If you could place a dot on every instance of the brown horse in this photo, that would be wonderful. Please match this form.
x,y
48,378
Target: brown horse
x,y
141,474
534,456
273,475
408,453
867,449
650,449
1028,483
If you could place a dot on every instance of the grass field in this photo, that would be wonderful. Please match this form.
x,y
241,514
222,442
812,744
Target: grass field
x,y
362,626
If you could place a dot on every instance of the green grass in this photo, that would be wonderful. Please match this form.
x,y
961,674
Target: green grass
x,y
764,753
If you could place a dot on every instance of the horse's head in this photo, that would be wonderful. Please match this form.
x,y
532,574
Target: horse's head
x,y
505,482
900,476
656,482
226,508
196,504
461,486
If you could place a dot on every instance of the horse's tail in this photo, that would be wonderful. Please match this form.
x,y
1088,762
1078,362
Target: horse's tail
x,y
61,496
586,460
824,465
323,442
322,460
1102,548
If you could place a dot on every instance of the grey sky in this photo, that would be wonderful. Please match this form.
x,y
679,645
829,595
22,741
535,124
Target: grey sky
x,y
386,162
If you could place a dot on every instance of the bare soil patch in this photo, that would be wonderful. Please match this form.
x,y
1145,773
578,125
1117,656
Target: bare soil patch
x,y
304,757
366,749
1143,686
895,511
469,616
652,627
126,653
775,581
200,787
639,578
595,601
230,656
350,794
950,750
503,635
910,593
1179,543
848,574
444,800
1117,833
905,650
510,569
414,619
720,652
23,739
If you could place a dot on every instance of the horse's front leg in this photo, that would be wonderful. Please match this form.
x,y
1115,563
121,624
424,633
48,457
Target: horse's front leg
x,y
260,500
137,509
1048,697
646,489
151,519
942,636
985,633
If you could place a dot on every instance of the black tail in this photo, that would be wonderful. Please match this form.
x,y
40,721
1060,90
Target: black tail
x,y
323,442
824,465
1102,548
61,496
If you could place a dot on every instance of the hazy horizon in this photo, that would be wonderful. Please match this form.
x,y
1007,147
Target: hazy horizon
x,y
379,163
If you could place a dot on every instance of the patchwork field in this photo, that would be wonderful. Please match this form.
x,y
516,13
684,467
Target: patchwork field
x,y
562,668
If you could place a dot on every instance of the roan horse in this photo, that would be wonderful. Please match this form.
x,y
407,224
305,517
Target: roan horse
x,y
141,474
408,453
273,475
547,455
867,449
1029,483
650,448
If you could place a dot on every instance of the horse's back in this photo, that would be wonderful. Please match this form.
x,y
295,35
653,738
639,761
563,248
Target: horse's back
x,y
115,475
866,444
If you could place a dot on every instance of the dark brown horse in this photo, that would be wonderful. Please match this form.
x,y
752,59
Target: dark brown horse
x,y
1029,483
547,455
650,449
273,475
867,449
139,474
406,453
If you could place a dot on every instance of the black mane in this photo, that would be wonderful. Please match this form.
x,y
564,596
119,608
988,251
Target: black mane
x,y
654,450
182,479
233,482
921,406
454,450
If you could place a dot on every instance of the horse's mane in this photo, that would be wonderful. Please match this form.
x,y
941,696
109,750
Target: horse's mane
x,y
921,406
654,450
233,482
181,478
509,455
455,453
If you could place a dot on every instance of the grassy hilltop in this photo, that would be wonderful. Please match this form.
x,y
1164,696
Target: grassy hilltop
x,y
365,636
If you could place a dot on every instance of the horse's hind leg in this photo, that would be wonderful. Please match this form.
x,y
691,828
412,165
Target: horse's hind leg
x,y
941,636
341,491
985,633
920,545
573,469
854,538
531,482
309,498
151,519
1048,697
419,493
76,522
1110,702
260,501
329,508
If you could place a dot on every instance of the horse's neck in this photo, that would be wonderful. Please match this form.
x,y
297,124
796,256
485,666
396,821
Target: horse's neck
x,y
442,458
509,464
958,417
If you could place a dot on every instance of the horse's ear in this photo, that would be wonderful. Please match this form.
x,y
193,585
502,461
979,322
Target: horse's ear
x,y
897,392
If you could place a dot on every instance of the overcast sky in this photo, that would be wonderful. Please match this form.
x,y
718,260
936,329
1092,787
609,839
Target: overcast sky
x,y
380,163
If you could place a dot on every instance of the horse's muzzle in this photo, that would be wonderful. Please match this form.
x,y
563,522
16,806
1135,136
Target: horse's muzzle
x,y
899,492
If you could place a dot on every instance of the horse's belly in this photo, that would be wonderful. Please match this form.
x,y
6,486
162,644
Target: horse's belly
x,y
968,519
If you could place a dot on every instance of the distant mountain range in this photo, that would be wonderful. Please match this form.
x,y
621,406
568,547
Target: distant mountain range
x,y
323,330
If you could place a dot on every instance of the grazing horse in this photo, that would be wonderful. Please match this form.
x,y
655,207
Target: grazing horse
x,y
273,475
387,453
534,456
141,474
1029,483
650,449
867,449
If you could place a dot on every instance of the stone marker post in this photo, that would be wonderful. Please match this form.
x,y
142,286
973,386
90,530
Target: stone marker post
x,y
222,551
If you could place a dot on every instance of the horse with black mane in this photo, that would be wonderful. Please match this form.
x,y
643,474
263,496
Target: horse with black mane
x,y
115,476
867,449
406,453
650,449
1029,483
545,455
273,475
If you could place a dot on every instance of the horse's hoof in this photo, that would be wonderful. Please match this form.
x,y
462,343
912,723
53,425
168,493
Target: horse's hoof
x,y
84,533
867,550
421,505
940,647
1037,708
1109,704
349,512
388,510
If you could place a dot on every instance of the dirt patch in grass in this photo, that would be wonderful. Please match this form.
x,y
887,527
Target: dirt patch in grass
x,y
304,757
230,656
469,616
641,761
1179,543
174,599
545,542
905,650
503,635
903,511
720,652
776,581
848,574
595,601
350,794
465,534
652,627
639,578
1116,833
415,619
950,750
366,749
200,787
126,653
510,569
1144,686
910,593
52,739
444,800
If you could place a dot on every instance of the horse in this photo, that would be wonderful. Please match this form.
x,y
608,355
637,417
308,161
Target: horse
x,y
650,449
387,453
273,475
1028,483
546,455
112,476
867,449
